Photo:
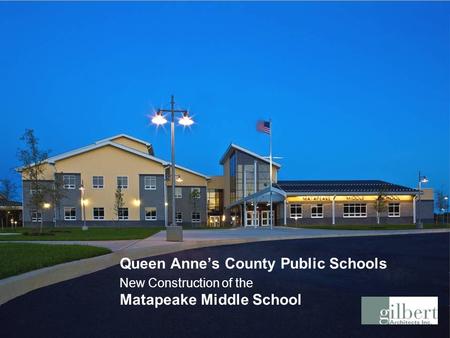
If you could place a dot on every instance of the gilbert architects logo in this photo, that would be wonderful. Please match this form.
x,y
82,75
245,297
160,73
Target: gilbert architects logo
x,y
399,310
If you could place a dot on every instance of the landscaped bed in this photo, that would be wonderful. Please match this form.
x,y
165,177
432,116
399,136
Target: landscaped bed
x,y
375,226
76,234
17,258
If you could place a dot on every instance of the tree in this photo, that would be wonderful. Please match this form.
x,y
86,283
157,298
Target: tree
x,y
381,203
8,189
56,193
33,166
441,204
195,196
118,202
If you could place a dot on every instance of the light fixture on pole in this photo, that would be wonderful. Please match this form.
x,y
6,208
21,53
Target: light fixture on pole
x,y
174,232
422,180
83,206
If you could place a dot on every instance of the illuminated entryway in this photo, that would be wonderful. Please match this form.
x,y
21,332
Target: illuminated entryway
x,y
214,221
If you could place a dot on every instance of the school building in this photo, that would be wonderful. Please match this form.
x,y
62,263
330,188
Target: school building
x,y
90,177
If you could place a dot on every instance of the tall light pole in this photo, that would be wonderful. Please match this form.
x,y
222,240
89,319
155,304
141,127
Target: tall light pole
x,y
422,179
446,209
83,206
174,232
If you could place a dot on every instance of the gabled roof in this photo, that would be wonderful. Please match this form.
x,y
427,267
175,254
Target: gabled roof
x,y
100,144
342,186
232,147
7,203
126,136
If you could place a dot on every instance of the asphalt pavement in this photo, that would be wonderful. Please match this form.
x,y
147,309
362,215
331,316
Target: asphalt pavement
x,y
88,306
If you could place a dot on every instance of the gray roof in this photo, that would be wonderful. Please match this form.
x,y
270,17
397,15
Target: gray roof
x,y
6,203
342,186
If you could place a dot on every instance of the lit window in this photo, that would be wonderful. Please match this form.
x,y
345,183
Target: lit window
x,y
123,213
178,192
195,192
97,182
195,217
70,214
296,211
178,217
36,216
122,182
99,213
355,210
150,182
150,214
69,181
317,211
394,210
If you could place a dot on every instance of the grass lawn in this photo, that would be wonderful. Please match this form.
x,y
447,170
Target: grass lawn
x,y
375,226
76,234
17,258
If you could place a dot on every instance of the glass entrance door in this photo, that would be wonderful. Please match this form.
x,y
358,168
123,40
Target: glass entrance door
x,y
250,219
265,217
214,221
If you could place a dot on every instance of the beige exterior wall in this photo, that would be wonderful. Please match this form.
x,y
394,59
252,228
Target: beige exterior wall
x,y
427,194
216,182
48,172
274,174
189,179
131,144
110,162
226,182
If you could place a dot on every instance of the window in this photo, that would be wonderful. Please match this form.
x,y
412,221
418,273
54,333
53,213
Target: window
x,y
317,211
122,182
97,182
178,192
69,181
195,217
34,191
70,214
150,182
355,210
296,211
99,213
178,217
150,214
214,200
394,210
195,193
36,216
123,213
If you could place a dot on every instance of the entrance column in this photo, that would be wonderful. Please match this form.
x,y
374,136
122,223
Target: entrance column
x,y
333,210
284,212
244,207
254,213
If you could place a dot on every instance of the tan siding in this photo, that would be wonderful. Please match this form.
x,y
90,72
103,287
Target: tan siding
x,y
110,162
131,144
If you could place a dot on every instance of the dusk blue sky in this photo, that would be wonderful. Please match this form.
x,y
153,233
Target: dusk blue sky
x,y
355,90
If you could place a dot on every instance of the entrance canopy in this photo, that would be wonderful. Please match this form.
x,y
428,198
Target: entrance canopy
x,y
262,196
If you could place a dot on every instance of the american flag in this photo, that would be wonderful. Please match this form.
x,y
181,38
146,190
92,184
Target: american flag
x,y
263,126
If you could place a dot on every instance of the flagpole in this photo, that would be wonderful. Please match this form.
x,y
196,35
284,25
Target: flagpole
x,y
270,173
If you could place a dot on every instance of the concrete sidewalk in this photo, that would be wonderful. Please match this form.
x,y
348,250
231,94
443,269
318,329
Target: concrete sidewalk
x,y
236,234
